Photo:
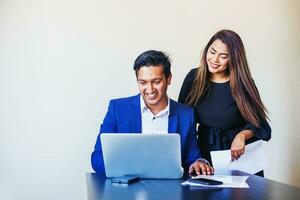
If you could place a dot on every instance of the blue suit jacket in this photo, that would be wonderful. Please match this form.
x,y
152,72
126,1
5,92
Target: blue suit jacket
x,y
124,116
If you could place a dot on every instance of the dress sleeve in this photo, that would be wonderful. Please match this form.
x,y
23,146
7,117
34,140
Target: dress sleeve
x,y
263,132
187,85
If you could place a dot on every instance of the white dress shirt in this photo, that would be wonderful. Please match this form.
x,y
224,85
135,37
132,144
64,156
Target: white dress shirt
x,y
154,124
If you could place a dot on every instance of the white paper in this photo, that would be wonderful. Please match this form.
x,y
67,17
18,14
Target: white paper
x,y
228,181
252,161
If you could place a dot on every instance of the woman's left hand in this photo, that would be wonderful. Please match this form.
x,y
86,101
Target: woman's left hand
x,y
238,144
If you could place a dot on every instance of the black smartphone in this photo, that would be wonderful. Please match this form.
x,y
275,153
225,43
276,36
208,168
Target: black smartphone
x,y
125,179
205,181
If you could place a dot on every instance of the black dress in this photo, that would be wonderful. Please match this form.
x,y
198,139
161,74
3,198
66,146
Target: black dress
x,y
219,118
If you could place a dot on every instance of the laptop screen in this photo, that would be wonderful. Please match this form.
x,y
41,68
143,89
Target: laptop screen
x,y
156,156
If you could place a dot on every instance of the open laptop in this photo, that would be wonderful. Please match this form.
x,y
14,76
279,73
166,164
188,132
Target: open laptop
x,y
155,156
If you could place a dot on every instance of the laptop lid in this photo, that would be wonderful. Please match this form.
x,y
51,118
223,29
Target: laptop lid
x,y
156,156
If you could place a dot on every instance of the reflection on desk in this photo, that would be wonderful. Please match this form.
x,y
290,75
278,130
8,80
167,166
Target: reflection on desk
x,y
260,188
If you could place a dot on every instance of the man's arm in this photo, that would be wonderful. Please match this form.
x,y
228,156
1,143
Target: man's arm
x,y
109,125
196,163
201,167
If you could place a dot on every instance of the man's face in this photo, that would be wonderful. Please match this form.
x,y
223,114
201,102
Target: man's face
x,y
153,85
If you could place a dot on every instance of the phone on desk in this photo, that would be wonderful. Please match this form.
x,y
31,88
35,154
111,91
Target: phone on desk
x,y
125,179
205,181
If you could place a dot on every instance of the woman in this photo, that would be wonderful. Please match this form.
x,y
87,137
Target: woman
x,y
228,106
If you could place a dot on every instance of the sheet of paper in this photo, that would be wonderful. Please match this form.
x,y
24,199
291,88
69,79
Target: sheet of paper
x,y
228,181
252,161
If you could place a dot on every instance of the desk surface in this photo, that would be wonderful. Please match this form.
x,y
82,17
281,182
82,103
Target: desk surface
x,y
260,188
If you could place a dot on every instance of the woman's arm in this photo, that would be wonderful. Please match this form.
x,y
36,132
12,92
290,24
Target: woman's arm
x,y
187,86
238,144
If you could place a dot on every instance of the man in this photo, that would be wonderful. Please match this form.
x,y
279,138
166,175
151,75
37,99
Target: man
x,y
152,111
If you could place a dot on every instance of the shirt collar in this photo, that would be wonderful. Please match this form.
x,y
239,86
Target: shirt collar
x,y
144,108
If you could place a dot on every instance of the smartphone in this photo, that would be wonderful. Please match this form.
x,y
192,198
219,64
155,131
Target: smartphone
x,y
125,179
205,181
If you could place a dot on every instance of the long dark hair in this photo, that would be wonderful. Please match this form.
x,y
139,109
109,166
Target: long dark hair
x,y
242,85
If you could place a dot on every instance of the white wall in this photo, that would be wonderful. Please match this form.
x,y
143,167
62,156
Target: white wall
x,y
62,60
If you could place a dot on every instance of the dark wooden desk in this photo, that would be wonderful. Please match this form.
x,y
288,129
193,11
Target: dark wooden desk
x,y
260,188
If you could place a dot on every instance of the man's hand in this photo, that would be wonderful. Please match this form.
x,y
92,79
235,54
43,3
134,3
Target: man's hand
x,y
238,144
201,168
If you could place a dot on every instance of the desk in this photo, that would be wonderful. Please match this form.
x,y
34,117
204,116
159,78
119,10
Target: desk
x,y
260,188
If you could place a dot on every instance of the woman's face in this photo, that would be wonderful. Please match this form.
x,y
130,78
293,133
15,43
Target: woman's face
x,y
217,58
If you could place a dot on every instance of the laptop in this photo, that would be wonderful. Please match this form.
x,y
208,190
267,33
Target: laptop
x,y
153,156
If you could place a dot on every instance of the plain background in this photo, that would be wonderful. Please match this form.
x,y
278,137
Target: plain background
x,y
62,60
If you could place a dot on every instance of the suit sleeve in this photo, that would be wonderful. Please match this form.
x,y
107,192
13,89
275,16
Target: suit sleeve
x,y
109,125
192,149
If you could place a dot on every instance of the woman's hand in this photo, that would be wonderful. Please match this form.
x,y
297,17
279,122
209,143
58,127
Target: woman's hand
x,y
238,144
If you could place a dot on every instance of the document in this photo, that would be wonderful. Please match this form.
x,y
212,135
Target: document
x,y
252,161
228,181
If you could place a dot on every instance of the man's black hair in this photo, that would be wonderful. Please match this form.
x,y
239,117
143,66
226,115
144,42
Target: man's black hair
x,y
153,58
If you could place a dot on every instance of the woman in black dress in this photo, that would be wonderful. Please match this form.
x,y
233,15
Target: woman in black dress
x,y
227,103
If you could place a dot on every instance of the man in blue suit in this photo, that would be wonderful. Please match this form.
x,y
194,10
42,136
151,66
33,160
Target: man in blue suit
x,y
152,112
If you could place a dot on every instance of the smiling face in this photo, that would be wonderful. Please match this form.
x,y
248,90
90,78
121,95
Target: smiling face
x,y
217,59
153,85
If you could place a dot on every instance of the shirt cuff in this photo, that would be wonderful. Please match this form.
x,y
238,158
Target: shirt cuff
x,y
204,161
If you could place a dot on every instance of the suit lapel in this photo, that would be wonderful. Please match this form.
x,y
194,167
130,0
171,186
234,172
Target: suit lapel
x,y
173,117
